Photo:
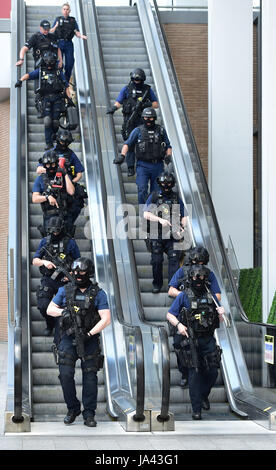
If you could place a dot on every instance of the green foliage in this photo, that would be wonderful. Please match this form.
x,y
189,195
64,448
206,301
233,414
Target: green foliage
x,y
250,292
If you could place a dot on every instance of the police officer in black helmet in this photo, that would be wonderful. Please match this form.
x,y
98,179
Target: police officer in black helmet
x,y
165,207
52,192
133,98
64,248
152,149
52,90
88,302
195,316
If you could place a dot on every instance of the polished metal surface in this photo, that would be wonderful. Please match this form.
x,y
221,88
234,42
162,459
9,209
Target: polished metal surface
x,y
120,385
205,228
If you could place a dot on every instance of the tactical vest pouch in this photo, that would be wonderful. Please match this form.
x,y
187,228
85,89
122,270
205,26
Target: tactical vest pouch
x,y
184,354
213,359
97,362
72,118
127,108
44,292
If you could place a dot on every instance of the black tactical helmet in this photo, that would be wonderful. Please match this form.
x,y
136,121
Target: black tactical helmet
x,y
55,225
64,136
84,264
166,181
45,24
50,58
198,254
138,74
198,270
149,113
49,156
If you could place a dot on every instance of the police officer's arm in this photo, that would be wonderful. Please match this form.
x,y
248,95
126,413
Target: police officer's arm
x,y
43,262
173,291
77,177
103,323
54,310
60,63
154,218
79,35
38,198
175,322
22,53
70,188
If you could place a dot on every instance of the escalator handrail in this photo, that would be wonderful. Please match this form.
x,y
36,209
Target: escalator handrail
x,y
205,185
164,348
140,395
15,232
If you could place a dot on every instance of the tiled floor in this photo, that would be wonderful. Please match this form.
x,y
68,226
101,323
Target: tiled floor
x,y
188,435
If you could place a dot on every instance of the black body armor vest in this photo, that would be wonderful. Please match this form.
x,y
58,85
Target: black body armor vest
x,y
83,304
151,145
66,28
64,199
133,94
44,43
167,208
50,81
66,153
202,315
57,249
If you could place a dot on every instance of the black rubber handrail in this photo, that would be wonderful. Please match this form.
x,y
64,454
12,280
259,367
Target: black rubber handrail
x,y
164,414
139,351
205,186
18,416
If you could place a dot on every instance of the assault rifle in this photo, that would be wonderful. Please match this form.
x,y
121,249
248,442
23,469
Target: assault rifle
x,y
60,266
190,342
128,124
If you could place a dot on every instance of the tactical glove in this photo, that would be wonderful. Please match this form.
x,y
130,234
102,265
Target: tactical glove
x,y
111,110
18,84
119,160
167,159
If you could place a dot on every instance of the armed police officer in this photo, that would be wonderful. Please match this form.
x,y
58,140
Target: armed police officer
x,y
40,42
74,169
53,190
194,316
134,98
152,148
84,312
53,90
65,27
167,209
55,252
196,255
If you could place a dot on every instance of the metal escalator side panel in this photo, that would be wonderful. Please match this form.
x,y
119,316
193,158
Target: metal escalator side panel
x,y
119,386
185,173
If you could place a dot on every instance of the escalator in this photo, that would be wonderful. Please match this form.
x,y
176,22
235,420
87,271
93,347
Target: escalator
x,y
121,56
34,391
132,37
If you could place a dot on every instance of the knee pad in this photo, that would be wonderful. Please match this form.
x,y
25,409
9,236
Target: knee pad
x,y
47,121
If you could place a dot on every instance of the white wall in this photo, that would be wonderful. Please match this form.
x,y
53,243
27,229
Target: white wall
x,y
230,58
268,153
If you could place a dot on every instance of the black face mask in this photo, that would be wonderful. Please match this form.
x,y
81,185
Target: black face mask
x,y
82,280
56,237
198,286
149,124
51,171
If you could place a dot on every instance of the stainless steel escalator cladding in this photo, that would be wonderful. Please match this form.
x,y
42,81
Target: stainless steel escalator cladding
x,y
122,342
155,386
242,396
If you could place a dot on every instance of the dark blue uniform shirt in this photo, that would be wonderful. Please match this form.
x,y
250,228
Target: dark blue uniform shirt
x,y
71,249
175,281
